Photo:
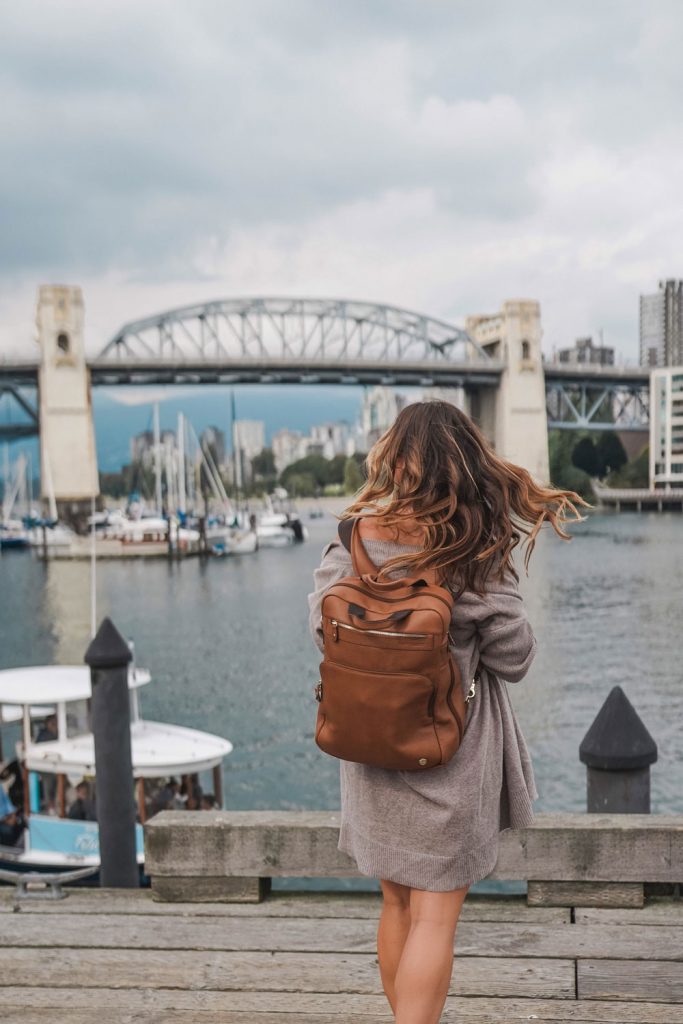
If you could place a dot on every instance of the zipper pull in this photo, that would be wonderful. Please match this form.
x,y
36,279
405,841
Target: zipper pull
x,y
335,630
471,692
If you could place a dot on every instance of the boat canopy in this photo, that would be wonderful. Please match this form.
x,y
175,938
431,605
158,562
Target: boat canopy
x,y
157,749
50,685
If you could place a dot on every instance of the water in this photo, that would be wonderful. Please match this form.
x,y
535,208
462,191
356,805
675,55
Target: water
x,y
228,646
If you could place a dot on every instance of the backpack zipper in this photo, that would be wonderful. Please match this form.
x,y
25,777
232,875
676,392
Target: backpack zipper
x,y
336,626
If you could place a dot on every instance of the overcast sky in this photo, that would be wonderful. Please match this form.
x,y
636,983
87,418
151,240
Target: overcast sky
x,y
442,156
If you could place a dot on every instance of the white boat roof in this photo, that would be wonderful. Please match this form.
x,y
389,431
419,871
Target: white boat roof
x,y
53,684
158,750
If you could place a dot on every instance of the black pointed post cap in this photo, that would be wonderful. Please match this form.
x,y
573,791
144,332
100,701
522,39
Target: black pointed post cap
x,y
108,649
617,740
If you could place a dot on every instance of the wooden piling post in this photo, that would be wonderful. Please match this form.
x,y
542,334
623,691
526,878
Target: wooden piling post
x,y
108,657
618,751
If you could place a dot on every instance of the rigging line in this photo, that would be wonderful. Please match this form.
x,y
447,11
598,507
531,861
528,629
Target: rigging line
x,y
93,572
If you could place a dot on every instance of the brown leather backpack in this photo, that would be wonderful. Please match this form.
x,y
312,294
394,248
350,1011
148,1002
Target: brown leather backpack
x,y
390,693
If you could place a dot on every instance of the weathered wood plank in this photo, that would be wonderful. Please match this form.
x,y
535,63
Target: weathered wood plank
x,y
217,1005
344,935
258,972
580,847
585,894
223,889
664,911
18,1016
621,979
477,907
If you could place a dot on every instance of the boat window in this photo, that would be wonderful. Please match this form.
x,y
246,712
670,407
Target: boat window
x,y
77,718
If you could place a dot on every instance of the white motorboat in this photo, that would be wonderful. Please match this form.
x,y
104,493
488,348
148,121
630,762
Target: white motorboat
x,y
279,529
13,535
53,536
47,769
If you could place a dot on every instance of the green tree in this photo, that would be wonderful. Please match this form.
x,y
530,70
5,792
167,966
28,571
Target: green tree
x,y
336,469
635,473
353,478
562,473
610,453
585,457
302,485
263,464
315,466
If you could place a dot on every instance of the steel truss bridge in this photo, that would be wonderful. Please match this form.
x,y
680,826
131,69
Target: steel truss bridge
x,y
597,397
330,341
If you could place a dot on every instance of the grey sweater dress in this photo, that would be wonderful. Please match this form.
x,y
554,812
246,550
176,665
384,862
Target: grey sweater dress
x,y
438,829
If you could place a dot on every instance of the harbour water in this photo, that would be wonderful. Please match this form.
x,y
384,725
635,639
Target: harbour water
x,y
228,646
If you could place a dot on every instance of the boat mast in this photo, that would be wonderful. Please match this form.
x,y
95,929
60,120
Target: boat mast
x,y
93,572
157,458
5,481
181,463
236,454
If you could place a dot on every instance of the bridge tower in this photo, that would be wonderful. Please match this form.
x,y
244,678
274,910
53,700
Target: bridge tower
x,y
514,415
68,460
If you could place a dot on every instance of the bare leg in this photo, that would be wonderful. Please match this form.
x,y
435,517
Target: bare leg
x,y
424,972
394,925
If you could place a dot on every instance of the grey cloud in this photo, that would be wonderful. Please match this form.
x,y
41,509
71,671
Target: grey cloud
x,y
133,132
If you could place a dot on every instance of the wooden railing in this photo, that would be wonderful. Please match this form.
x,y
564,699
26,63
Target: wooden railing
x,y
566,859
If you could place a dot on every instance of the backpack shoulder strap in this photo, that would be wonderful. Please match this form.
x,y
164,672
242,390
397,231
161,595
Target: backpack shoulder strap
x,y
350,538
362,563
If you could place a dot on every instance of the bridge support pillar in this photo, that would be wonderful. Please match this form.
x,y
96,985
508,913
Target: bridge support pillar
x,y
68,460
513,416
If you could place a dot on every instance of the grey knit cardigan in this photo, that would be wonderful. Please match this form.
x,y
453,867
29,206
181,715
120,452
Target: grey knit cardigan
x,y
438,829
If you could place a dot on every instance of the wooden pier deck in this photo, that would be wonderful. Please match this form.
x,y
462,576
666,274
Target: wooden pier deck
x,y
120,956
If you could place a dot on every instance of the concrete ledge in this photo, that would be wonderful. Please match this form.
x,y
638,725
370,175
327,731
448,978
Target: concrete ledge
x,y
268,844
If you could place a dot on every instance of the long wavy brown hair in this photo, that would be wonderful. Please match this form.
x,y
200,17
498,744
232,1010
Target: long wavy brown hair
x,y
474,507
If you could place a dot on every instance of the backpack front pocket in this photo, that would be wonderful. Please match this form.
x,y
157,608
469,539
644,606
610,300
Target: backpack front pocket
x,y
375,717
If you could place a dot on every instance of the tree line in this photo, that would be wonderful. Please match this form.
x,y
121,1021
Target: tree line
x,y
312,476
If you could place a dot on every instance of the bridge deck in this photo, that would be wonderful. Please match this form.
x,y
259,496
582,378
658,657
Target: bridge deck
x,y
117,956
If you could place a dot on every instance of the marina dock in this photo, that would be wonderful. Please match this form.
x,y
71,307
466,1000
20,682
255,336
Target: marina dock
x,y
639,499
597,938
120,957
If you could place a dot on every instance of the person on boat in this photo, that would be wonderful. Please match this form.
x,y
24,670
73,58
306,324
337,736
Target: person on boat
x,y
168,798
11,778
83,807
438,497
48,730
11,822
208,802
190,794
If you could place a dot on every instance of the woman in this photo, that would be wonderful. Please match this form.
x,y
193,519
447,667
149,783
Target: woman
x,y
438,496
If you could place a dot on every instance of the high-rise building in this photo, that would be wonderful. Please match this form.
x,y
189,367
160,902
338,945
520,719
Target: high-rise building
x,y
288,446
248,440
331,439
666,427
661,326
381,406
583,351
